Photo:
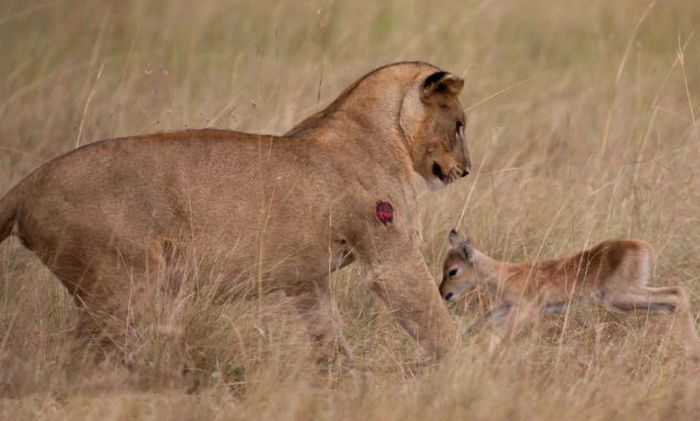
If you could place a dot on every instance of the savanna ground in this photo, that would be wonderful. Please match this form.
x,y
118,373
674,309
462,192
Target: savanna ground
x,y
583,125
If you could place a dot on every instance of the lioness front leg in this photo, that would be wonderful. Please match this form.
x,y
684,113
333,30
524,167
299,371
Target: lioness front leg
x,y
385,240
408,289
318,308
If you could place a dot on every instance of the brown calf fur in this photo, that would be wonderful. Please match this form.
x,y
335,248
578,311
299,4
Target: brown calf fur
x,y
615,273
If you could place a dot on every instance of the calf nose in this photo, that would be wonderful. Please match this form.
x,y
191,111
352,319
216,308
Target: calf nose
x,y
465,173
448,296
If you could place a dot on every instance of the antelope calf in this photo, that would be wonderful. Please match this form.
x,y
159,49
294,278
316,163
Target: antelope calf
x,y
613,273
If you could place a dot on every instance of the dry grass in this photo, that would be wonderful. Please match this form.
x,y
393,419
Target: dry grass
x,y
583,126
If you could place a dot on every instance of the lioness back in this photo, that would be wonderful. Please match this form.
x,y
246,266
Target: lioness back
x,y
216,187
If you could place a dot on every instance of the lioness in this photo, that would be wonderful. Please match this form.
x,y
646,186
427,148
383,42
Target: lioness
x,y
290,209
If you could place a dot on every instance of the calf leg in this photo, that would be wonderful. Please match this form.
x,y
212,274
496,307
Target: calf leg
x,y
648,298
512,318
526,314
494,317
674,299
555,308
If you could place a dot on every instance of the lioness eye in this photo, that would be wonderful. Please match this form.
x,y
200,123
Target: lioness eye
x,y
452,273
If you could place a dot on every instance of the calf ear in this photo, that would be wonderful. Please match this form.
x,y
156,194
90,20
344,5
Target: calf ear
x,y
454,238
467,251
440,87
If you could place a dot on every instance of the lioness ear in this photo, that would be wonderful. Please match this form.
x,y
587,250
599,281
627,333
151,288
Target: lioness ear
x,y
441,86
454,238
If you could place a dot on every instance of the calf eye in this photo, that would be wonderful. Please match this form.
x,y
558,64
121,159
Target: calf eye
x,y
452,273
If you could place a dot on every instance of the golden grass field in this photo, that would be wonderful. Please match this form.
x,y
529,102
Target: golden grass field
x,y
583,125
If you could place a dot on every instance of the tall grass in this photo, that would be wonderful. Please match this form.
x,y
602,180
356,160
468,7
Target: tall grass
x,y
583,125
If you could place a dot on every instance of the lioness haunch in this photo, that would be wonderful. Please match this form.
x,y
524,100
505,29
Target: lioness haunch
x,y
614,273
284,210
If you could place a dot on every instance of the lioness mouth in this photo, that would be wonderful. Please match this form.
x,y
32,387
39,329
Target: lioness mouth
x,y
437,172
452,175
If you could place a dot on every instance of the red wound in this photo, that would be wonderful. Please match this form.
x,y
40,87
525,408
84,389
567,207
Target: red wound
x,y
385,212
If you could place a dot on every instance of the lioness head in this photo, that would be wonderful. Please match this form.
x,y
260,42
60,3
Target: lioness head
x,y
433,122
458,272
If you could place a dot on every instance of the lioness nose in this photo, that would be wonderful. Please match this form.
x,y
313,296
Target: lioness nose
x,y
448,296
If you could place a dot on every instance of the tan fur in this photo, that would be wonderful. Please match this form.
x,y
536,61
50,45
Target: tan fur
x,y
284,210
614,273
